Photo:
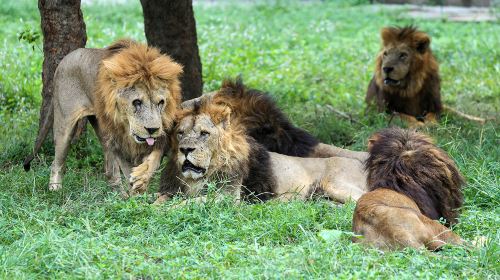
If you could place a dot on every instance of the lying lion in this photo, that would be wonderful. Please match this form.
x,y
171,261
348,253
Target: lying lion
x,y
129,92
412,183
208,144
265,122
406,80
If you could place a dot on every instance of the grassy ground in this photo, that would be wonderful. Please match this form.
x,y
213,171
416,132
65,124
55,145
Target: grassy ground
x,y
307,55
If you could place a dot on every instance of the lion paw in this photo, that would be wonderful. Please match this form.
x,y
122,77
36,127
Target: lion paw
x,y
139,179
55,186
161,199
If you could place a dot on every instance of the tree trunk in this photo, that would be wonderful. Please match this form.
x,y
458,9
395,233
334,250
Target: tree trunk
x,y
170,26
63,31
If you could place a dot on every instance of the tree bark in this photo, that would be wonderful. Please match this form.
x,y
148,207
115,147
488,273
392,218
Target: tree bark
x,y
170,26
63,31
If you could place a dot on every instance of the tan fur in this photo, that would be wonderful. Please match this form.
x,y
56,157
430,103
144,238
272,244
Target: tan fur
x,y
227,152
390,220
105,85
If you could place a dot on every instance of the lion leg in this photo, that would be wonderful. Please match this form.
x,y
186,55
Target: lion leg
x,y
126,168
411,121
141,174
438,234
430,118
342,194
62,140
111,165
324,151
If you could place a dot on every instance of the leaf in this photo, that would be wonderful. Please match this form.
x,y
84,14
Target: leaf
x,y
330,235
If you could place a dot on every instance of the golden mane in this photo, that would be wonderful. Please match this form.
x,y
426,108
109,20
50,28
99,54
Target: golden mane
x,y
126,64
423,64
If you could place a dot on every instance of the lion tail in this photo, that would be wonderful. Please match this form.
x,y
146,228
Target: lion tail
x,y
45,126
464,115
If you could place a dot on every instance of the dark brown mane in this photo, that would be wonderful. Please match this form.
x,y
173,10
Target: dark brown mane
x,y
409,163
264,121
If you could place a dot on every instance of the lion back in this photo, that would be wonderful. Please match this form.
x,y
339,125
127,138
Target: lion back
x,y
409,163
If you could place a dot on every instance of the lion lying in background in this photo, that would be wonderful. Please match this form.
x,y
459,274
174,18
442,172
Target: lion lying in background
x,y
208,144
129,92
406,79
412,183
266,123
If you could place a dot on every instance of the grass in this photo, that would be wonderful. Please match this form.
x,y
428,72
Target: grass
x,y
308,55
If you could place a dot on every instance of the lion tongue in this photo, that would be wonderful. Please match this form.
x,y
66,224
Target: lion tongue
x,y
150,141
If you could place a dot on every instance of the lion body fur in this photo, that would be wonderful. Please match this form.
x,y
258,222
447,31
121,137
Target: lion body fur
x,y
97,84
266,123
411,184
251,169
406,79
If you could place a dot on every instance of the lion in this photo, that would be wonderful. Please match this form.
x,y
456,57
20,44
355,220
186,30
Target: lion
x,y
406,80
129,92
411,183
268,125
208,145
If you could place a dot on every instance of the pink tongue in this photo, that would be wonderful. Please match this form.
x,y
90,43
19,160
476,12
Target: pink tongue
x,y
150,141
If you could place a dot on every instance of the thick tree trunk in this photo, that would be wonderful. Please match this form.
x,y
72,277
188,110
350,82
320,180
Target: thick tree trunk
x,y
63,31
170,26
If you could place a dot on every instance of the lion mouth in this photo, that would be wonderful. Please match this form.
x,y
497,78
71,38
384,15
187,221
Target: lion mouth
x,y
150,140
391,82
188,166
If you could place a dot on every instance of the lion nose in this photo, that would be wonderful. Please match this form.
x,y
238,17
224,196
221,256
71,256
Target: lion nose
x,y
388,70
152,130
186,151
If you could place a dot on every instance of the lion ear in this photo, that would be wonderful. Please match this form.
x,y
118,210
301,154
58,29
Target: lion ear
x,y
110,68
387,35
422,43
371,141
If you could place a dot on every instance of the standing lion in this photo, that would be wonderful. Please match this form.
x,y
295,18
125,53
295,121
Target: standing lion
x,y
129,93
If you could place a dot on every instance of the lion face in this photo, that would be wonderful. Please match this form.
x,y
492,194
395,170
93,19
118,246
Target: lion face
x,y
143,109
395,65
404,50
198,138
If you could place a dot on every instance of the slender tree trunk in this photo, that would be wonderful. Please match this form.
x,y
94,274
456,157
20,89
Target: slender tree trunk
x,y
63,31
170,26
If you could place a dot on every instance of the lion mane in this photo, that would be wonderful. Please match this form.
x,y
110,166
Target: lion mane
x,y
409,163
419,93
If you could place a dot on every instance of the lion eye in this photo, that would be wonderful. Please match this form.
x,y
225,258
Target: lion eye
x,y
385,53
137,103
204,133
161,103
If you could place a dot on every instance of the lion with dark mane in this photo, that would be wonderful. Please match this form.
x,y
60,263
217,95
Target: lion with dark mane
x,y
257,112
406,77
208,145
129,92
411,184
406,80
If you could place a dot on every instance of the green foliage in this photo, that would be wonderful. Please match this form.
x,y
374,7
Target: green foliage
x,y
316,59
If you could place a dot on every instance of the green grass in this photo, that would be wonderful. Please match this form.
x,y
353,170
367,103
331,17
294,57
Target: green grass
x,y
308,55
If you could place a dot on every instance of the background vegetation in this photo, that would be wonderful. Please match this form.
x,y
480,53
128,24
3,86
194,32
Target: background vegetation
x,y
308,55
